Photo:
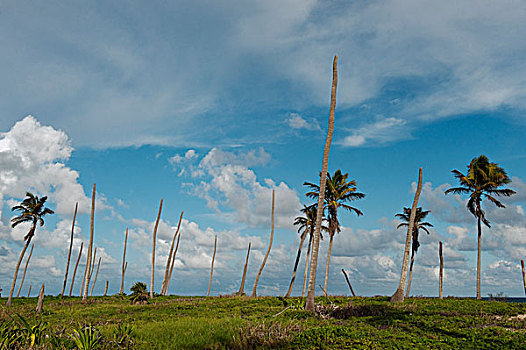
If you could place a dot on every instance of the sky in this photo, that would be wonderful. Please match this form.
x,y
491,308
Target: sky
x,y
212,105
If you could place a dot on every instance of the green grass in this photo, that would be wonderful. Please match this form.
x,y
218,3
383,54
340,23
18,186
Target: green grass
x,y
241,323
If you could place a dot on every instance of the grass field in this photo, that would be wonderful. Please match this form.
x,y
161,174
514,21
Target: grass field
x,y
267,322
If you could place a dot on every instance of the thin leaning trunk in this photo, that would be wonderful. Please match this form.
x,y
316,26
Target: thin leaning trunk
x,y
348,282
328,262
306,272
9,299
40,303
523,276
441,272
398,296
242,286
75,270
124,265
25,270
169,260
173,263
410,278
479,258
254,290
212,268
309,304
29,291
289,291
90,248
153,248
92,269
106,288
69,252
95,280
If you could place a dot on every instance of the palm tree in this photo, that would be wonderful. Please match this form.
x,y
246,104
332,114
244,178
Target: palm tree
x,y
31,209
482,180
419,224
309,303
337,191
306,224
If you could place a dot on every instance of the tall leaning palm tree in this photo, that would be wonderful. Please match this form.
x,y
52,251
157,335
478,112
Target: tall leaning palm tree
x,y
32,210
337,191
418,224
482,180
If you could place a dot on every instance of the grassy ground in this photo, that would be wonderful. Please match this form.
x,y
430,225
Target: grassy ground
x,y
244,323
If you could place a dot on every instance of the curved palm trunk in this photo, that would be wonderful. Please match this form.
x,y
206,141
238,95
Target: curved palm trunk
x,y
29,235
70,247
75,270
410,274
95,280
169,260
173,262
89,258
306,272
242,286
212,268
153,248
328,263
25,270
398,296
124,264
479,258
289,291
254,290
309,305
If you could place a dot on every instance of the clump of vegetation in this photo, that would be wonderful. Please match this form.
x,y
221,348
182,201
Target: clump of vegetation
x,y
87,337
139,293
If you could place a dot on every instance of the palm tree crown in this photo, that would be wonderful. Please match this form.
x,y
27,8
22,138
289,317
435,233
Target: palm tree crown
x,y
419,224
307,222
31,209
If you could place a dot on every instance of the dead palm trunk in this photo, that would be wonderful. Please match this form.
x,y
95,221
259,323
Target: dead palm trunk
x,y
212,267
441,273
30,234
348,282
92,269
254,290
29,291
106,288
25,269
309,305
40,304
331,238
523,276
70,247
95,280
153,247
173,263
75,270
398,296
90,247
306,272
169,260
242,286
124,265
410,278
289,291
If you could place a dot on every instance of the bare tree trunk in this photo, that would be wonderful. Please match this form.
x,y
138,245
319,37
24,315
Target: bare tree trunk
x,y
212,267
398,296
95,280
75,270
289,291
40,304
479,257
523,276
348,282
106,288
123,270
254,290
410,274
9,299
90,247
441,273
25,269
242,286
153,247
328,262
70,247
306,272
92,269
173,262
309,305
169,260
29,291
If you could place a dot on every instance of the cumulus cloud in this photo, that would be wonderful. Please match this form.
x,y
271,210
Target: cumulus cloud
x,y
382,131
296,121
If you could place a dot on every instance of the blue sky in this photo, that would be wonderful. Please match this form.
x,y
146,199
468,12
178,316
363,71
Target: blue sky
x,y
212,105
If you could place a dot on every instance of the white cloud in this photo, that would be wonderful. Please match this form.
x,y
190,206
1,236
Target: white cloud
x,y
382,131
296,121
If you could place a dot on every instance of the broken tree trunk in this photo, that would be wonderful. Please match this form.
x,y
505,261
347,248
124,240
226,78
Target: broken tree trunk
x,y
90,247
441,272
95,280
153,247
169,260
106,288
242,286
123,270
29,291
348,282
25,270
75,270
254,290
398,296
298,255
69,252
40,304
173,263
212,267
523,276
